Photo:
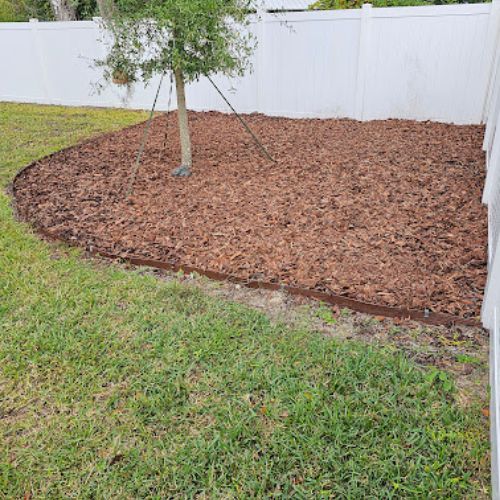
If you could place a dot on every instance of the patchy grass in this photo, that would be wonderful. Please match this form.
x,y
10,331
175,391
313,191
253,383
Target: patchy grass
x,y
116,384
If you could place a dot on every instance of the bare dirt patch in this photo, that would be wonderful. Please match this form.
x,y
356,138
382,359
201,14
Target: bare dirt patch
x,y
388,212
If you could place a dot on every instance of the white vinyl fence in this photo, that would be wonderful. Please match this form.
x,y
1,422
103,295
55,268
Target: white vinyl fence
x,y
491,305
424,63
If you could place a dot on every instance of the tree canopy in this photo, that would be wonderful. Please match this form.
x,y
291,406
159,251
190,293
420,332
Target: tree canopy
x,y
199,37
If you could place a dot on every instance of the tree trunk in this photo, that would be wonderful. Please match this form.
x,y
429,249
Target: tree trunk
x,y
105,8
63,10
183,120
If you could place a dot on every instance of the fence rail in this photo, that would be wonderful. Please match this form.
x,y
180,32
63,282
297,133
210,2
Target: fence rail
x,y
424,63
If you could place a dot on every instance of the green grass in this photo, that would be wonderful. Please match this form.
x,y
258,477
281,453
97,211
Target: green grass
x,y
116,385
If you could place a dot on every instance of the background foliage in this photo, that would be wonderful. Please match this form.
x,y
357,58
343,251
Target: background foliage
x,y
355,4
22,10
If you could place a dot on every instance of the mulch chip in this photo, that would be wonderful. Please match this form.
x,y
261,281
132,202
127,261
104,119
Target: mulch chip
x,y
387,212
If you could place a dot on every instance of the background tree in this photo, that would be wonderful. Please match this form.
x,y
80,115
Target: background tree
x,y
105,8
75,10
23,10
50,10
355,4
191,38
64,10
8,12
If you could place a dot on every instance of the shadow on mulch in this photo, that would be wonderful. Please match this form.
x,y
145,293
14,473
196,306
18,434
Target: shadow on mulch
x,y
387,212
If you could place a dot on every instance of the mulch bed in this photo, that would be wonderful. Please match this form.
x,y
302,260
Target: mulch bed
x,y
387,212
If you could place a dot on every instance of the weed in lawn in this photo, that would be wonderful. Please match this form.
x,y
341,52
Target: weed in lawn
x,y
116,384
325,314
345,313
468,359
440,378
394,330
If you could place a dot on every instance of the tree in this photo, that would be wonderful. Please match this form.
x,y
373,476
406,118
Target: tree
x,y
73,10
64,10
23,10
191,38
105,8
8,12
49,10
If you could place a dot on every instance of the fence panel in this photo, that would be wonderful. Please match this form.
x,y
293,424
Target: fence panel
x,y
429,62
310,64
22,74
444,85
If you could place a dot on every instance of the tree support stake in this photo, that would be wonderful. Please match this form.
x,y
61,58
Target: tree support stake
x,y
243,122
144,140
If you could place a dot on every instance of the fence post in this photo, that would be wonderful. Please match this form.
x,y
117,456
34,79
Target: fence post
x,y
261,59
363,57
41,60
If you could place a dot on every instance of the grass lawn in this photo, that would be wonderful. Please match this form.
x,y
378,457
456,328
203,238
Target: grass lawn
x,y
114,384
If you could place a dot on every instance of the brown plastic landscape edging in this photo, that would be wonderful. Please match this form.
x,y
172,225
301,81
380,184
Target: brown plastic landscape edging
x,y
432,318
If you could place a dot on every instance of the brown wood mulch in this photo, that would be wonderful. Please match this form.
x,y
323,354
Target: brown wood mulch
x,y
387,212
